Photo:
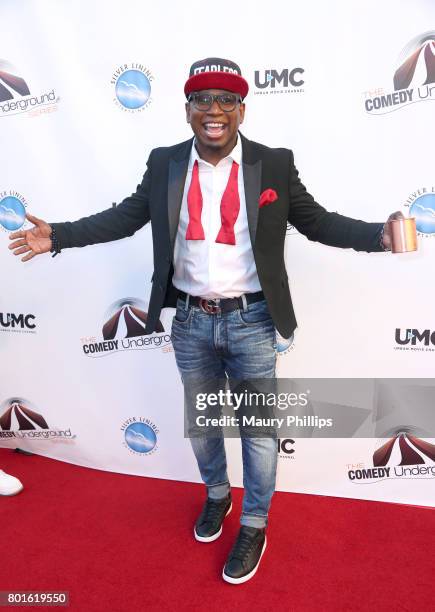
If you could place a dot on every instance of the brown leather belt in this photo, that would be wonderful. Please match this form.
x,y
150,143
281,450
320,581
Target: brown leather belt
x,y
219,305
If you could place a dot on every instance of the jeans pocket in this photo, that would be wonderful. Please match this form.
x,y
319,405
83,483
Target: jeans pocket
x,y
182,315
256,314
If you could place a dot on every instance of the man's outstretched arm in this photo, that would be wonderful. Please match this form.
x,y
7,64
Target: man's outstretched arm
x,y
111,224
331,228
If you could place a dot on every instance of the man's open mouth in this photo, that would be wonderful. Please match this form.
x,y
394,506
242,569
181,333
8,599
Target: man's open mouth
x,y
214,129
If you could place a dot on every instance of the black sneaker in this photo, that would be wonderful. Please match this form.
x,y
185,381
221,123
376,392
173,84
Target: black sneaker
x,y
208,527
245,557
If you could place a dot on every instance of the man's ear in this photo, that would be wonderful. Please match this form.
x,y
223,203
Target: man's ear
x,y
187,105
242,111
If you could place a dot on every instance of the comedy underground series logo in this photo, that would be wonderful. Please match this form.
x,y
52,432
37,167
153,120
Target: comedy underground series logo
x,y
19,418
132,87
123,329
18,98
413,80
402,457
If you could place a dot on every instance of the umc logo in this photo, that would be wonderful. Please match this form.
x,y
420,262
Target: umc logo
x,y
412,79
11,322
414,340
286,448
278,81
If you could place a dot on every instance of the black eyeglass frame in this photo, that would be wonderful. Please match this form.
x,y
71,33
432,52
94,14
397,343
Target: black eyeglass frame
x,y
214,97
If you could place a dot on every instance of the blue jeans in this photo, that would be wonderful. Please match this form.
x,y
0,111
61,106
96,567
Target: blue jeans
x,y
241,345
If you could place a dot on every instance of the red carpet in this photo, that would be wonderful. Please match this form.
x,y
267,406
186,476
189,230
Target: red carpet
x,y
121,543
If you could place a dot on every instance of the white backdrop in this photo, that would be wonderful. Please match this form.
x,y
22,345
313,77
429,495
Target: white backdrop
x,y
73,148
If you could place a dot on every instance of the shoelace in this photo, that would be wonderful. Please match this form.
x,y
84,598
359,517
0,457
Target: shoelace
x,y
212,511
243,546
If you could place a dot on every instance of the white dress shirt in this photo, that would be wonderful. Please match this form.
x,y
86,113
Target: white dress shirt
x,y
206,268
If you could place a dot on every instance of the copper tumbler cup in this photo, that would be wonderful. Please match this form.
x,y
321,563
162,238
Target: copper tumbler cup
x,y
404,235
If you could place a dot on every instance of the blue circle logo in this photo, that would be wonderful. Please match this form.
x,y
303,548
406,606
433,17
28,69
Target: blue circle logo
x,y
140,437
133,89
283,345
423,209
12,213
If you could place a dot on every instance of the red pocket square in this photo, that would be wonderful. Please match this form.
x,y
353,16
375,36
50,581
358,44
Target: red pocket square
x,y
267,197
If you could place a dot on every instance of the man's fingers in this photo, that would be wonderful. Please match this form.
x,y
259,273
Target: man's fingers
x,y
29,256
33,219
16,244
24,249
16,235
396,215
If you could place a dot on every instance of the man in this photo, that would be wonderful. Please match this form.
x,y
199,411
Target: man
x,y
219,206
9,485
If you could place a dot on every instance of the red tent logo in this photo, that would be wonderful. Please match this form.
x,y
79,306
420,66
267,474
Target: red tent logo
x,y
10,82
127,320
26,418
413,451
420,53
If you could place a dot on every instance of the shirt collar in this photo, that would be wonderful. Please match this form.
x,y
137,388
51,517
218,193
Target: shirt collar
x,y
234,155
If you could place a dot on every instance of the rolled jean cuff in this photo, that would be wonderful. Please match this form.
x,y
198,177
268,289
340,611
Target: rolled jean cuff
x,y
253,520
219,490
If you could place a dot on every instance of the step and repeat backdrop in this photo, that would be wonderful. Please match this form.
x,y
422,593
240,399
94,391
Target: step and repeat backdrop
x,y
86,91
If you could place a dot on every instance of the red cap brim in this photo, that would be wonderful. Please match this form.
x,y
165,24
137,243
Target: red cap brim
x,y
217,80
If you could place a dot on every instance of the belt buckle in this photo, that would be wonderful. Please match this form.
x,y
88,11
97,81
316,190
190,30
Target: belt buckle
x,y
209,307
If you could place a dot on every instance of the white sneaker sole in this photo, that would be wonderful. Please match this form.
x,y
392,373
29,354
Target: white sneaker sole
x,y
248,576
214,536
13,493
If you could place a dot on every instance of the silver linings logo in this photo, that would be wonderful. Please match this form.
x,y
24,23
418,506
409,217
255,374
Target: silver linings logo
x,y
16,97
272,81
132,87
12,210
421,205
412,80
124,330
140,436
20,419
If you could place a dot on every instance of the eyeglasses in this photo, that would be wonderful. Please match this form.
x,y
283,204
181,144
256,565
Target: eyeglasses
x,y
204,101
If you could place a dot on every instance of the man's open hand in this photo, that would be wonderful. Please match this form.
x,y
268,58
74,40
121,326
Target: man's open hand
x,y
387,237
34,241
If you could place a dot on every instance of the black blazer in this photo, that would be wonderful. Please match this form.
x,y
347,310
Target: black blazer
x,y
158,199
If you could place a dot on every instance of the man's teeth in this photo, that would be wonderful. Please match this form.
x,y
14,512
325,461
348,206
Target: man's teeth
x,y
214,125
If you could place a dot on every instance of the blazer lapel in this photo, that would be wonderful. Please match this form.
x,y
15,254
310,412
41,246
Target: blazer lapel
x,y
176,180
252,180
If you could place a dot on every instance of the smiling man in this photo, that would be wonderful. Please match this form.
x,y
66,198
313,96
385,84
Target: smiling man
x,y
219,206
